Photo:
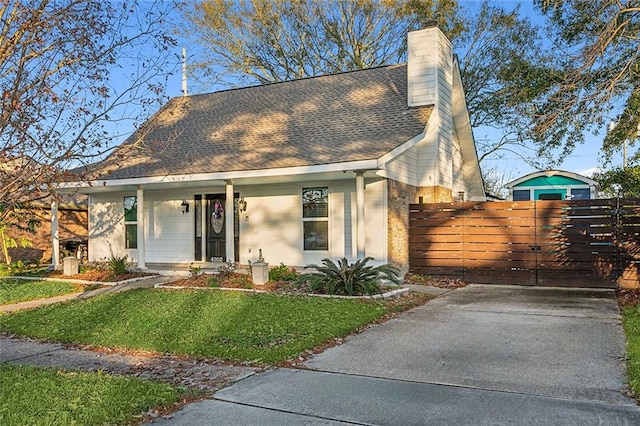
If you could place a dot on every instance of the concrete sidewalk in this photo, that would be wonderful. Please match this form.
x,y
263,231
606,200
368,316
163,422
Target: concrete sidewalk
x,y
477,355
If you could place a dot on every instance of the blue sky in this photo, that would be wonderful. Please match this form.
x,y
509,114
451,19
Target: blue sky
x,y
584,159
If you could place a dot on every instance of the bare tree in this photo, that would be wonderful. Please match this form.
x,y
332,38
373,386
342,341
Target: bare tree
x,y
72,74
278,40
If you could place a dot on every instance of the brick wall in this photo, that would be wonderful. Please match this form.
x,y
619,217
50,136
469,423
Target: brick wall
x,y
72,224
400,195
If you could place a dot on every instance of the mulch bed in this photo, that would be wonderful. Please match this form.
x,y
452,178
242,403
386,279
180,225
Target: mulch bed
x,y
99,275
628,298
232,280
439,282
239,280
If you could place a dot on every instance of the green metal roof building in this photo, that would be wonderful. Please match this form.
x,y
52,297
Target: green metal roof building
x,y
552,185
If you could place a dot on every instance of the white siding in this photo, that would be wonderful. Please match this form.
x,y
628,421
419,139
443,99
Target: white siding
x,y
404,168
272,222
430,79
106,225
428,67
458,163
376,221
169,232
428,153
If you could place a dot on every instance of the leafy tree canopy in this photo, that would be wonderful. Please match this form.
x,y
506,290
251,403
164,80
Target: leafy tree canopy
x,y
622,181
598,51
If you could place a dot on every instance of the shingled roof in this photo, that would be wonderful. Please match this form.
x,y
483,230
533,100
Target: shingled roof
x,y
358,115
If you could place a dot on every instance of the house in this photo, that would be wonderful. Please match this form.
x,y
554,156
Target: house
x,y
552,185
314,168
71,219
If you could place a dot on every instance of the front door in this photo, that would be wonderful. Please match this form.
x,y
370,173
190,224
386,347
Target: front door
x,y
216,229
216,234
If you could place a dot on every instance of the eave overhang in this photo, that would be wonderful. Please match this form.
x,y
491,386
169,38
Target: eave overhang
x,y
335,171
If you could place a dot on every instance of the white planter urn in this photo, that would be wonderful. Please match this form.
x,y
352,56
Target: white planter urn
x,y
260,272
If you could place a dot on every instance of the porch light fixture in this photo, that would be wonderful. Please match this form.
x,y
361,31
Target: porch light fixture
x,y
242,205
185,206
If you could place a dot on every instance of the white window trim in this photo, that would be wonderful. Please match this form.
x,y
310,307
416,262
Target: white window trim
x,y
315,219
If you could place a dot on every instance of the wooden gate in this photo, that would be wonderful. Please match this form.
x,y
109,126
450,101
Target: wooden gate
x,y
588,243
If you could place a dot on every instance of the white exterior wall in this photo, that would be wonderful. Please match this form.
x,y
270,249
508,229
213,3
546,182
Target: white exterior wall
x,y
106,225
458,182
403,168
272,222
429,51
169,234
430,82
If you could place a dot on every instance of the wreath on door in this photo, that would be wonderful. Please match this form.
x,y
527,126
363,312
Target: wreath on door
x,y
217,217
218,210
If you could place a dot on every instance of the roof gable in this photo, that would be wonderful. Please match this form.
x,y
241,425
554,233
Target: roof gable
x,y
354,116
550,181
551,178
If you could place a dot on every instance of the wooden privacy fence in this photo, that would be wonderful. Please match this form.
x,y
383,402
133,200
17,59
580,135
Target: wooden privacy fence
x,y
588,243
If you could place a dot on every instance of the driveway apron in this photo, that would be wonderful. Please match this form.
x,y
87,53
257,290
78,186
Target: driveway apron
x,y
540,341
476,355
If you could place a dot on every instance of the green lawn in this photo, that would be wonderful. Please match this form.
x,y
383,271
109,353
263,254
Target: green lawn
x,y
16,290
631,324
35,396
218,324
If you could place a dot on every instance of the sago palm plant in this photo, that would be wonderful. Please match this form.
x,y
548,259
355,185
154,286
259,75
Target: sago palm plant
x,y
342,278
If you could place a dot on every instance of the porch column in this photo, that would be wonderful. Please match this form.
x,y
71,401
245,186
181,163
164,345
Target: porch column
x,y
55,237
140,226
360,236
230,246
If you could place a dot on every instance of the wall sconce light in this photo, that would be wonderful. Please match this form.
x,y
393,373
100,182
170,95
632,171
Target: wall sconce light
x,y
242,205
185,206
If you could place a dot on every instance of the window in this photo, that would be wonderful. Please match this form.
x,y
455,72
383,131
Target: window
x,y
580,193
131,222
521,195
315,218
550,196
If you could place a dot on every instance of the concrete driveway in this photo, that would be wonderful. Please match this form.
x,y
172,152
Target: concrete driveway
x,y
477,355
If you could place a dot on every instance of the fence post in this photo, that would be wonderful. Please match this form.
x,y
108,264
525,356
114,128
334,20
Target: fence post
x,y
617,226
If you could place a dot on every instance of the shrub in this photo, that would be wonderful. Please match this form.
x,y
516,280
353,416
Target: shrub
x,y
214,281
225,271
348,279
283,273
194,271
117,264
